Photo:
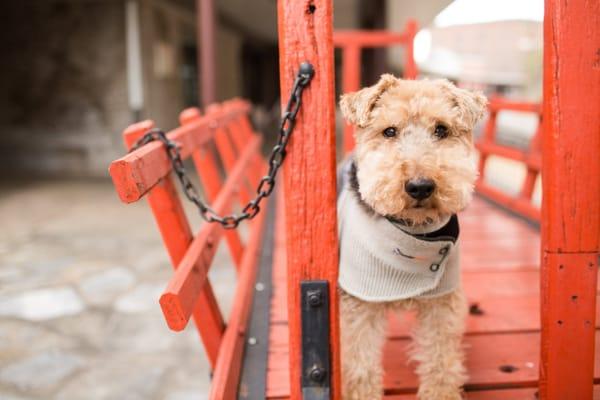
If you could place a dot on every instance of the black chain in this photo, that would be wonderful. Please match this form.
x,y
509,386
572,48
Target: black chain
x,y
266,184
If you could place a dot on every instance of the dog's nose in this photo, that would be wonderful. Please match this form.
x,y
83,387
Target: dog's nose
x,y
419,188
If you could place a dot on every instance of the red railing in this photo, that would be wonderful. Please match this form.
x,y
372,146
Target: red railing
x,y
224,132
532,158
352,42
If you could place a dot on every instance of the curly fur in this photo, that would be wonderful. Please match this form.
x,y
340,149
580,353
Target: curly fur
x,y
383,166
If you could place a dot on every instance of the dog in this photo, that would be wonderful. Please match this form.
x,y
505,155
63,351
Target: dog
x,y
413,169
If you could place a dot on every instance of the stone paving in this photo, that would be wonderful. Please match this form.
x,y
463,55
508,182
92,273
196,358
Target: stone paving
x,y
80,277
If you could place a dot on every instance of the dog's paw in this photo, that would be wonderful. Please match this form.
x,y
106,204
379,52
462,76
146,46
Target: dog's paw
x,y
436,392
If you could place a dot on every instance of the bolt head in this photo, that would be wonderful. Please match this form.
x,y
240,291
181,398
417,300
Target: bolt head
x,y
317,374
314,299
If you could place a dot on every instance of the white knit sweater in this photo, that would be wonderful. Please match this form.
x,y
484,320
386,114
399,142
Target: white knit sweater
x,y
381,261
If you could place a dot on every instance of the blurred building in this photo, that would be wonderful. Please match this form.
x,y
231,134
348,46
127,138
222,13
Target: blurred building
x,y
503,57
75,73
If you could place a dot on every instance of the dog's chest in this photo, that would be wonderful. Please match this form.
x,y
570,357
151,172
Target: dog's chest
x,y
381,262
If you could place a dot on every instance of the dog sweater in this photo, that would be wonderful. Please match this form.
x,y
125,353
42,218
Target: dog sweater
x,y
381,260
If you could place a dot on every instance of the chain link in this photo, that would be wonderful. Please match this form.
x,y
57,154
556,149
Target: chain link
x,y
267,182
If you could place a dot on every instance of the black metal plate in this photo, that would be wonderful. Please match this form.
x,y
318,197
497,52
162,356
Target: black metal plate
x,y
316,367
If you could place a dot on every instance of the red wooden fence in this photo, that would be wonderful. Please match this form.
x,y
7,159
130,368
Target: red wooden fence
x,y
532,158
571,198
353,41
147,172
305,34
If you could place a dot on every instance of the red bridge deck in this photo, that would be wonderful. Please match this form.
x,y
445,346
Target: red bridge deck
x,y
500,258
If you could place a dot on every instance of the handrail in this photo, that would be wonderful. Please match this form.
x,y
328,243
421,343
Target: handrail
x,y
531,157
137,172
223,133
353,41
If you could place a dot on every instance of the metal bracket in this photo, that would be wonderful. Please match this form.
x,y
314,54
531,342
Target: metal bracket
x,y
316,366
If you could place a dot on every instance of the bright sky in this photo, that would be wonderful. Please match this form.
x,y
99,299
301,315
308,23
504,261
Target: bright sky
x,y
461,12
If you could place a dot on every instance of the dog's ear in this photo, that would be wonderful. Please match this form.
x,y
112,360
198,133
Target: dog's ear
x,y
357,106
471,105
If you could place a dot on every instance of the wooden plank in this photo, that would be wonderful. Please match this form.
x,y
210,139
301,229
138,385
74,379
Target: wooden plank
x,y
503,104
183,289
206,166
534,161
571,197
572,134
519,205
351,69
507,394
136,173
176,235
305,34
369,38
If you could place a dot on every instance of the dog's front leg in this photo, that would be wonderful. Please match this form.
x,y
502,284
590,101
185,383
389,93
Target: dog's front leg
x,y
438,346
362,336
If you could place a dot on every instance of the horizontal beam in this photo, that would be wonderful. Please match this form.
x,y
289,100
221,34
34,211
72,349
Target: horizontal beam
x,y
361,38
519,205
533,160
502,104
181,294
136,173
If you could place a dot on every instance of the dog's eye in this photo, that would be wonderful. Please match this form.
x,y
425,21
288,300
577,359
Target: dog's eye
x,y
441,131
389,132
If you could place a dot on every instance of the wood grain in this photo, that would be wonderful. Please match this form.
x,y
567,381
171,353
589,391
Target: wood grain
x,y
571,197
305,34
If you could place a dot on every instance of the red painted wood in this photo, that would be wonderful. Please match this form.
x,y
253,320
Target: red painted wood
x,y
531,158
351,83
353,41
507,394
370,38
305,34
572,133
571,197
182,292
206,166
136,173
519,205
176,235
410,66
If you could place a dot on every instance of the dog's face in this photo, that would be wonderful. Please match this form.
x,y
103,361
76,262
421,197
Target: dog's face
x,y
414,146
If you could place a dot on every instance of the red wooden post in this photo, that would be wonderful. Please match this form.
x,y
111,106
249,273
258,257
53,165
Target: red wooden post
x,y
352,42
410,67
305,34
571,197
350,83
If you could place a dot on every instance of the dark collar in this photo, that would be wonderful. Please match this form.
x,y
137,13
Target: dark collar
x,y
450,231
347,176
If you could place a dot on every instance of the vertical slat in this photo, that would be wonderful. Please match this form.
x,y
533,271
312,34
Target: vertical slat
x,y
350,83
206,166
226,149
571,197
532,172
410,67
177,236
489,135
305,34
